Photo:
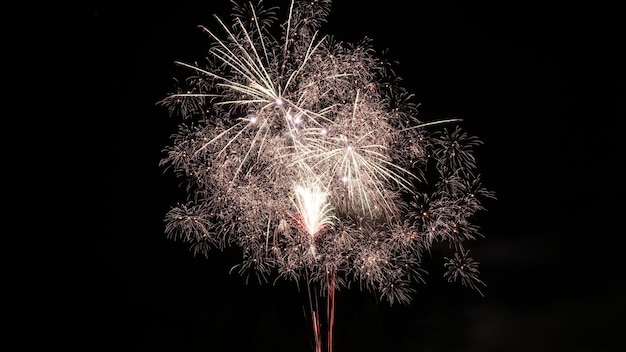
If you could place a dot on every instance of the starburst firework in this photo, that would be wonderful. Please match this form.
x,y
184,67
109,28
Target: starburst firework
x,y
307,153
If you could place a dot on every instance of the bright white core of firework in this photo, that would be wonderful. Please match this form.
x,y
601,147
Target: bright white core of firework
x,y
314,210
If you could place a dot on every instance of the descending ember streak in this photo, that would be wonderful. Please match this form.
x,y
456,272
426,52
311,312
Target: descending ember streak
x,y
292,140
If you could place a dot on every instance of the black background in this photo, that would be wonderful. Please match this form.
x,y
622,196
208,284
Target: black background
x,y
540,83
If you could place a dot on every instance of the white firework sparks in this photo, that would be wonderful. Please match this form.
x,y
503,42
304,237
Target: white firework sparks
x,y
315,212
266,112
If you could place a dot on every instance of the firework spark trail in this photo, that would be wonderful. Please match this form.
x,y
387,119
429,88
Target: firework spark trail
x,y
307,153
315,212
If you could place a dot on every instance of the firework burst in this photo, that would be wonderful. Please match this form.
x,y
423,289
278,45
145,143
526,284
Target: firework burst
x,y
307,153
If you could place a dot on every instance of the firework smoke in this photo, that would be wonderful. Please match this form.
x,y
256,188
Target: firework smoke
x,y
307,153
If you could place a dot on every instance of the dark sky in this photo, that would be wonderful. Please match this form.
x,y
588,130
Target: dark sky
x,y
540,83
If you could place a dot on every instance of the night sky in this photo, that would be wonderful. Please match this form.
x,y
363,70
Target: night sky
x,y
541,85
